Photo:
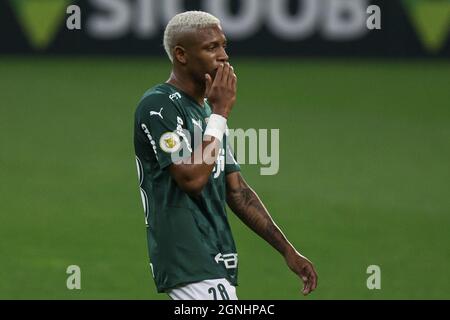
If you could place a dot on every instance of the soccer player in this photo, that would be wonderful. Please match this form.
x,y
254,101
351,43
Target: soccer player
x,y
184,185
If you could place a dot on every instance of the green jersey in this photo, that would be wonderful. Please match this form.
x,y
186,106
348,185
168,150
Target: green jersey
x,y
189,238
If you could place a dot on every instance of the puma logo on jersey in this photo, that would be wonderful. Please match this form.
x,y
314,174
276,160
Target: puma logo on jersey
x,y
152,113
198,123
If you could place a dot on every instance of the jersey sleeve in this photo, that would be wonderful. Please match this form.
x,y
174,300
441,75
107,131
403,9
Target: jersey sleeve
x,y
231,165
163,124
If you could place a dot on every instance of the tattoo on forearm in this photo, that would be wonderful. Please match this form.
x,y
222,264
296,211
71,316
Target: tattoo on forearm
x,y
248,207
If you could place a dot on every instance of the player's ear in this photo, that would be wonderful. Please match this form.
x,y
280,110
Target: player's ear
x,y
179,53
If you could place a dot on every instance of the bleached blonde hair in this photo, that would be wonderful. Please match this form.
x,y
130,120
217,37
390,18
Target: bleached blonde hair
x,y
185,22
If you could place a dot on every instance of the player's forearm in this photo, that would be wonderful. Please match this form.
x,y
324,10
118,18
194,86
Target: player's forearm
x,y
191,177
246,204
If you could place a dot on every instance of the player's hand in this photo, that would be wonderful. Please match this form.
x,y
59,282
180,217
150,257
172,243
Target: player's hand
x,y
221,92
304,269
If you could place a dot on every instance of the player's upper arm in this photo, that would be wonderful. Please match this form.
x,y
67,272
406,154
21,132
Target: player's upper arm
x,y
163,124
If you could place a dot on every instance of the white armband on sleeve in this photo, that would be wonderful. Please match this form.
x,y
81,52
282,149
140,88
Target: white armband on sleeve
x,y
216,126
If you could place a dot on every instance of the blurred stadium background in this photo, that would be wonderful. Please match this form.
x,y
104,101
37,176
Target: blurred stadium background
x,y
364,144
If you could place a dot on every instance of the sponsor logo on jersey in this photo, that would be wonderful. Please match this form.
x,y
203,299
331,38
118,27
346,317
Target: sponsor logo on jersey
x,y
152,113
169,142
229,259
150,138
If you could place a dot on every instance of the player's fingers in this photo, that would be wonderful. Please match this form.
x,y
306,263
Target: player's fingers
x,y
234,83
231,77
225,74
233,80
208,83
219,73
306,285
313,280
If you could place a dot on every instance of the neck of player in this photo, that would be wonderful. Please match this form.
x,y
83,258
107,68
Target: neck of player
x,y
188,85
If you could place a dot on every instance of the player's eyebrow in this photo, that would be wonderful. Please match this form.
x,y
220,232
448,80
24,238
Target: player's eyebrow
x,y
216,42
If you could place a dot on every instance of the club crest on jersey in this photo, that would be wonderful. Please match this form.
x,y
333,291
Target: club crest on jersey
x,y
170,142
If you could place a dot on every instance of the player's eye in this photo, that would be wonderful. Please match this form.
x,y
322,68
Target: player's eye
x,y
215,46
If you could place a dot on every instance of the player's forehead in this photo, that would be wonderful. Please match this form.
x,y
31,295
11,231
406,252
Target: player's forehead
x,y
211,34
204,36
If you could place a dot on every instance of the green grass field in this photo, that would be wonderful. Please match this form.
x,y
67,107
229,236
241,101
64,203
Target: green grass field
x,y
364,176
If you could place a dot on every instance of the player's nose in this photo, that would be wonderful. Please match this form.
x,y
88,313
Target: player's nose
x,y
223,57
